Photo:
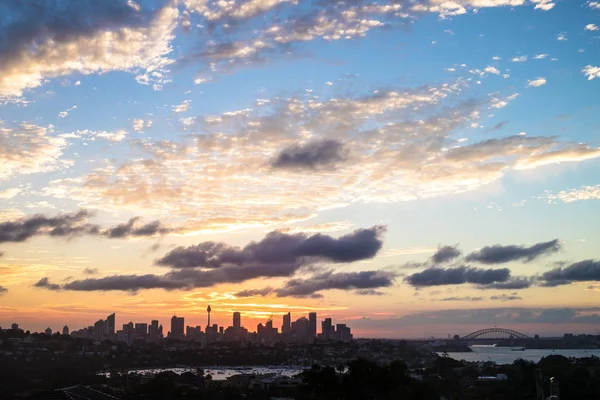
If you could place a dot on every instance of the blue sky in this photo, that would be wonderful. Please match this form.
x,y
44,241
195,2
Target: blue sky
x,y
403,129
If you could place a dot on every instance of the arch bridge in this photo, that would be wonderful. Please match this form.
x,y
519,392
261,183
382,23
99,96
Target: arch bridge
x,y
496,334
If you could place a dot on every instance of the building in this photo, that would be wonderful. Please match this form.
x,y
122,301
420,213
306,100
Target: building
x,y
129,327
141,329
343,333
326,329
99,329
153,330
237,320
192,332
312,324
286,327
110,325
300,330
14,326
65,330
177,326
48,331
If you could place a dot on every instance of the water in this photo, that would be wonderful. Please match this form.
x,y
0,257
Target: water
x,y
504,355
222,373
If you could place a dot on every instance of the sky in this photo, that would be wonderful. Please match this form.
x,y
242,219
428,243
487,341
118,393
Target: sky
x,y
410,168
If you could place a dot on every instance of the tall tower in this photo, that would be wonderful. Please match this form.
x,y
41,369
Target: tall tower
x,y
208,311
237,320
312,324
286,327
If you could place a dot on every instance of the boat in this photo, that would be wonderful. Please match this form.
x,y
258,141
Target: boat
x,y
518,349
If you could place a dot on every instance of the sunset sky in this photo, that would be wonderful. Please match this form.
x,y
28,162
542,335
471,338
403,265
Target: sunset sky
x,y
410,168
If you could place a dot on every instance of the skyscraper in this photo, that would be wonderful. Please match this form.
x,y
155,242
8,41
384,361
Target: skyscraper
x,y
153,329
65,330
237,320
326,328
208,309
312,324
141,329
287,324
110,325
177,326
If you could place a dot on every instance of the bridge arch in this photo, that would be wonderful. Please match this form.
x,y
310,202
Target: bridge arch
x,y
496,333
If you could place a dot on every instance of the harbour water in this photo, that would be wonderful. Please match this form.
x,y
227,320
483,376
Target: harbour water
x,y
221,373
506,355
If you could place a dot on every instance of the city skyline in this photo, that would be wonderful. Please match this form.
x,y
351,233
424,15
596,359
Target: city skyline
x,y
406,168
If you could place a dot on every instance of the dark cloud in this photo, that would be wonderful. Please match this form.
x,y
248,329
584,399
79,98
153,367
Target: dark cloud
x,y
132,229
254,292
456,276
279,248
313,155
336,280
277,255
1,254
502,254
445,254
506,297
582,271
129,283
497,127
465,298
45,283
32,22
71,225
3,290
90,271
512,283
65,225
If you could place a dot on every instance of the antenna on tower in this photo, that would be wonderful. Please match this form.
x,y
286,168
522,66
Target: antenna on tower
x,y
208,311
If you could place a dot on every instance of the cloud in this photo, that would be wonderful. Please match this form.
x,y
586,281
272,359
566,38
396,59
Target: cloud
x,y
133,229
519,59
63,225
39,43
497,127
28,149
361,281
492,70
277,255
445,254
64,114
456,276
3,290
254,292
544,5
594,4
138,125
591,72
506,297
498,254
572,195
90,271
591,27
537,82
561,37
540,56
403,141
183,107
510,284
279,248
465,298
313,155
73,225
45,284
582,271
9,193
